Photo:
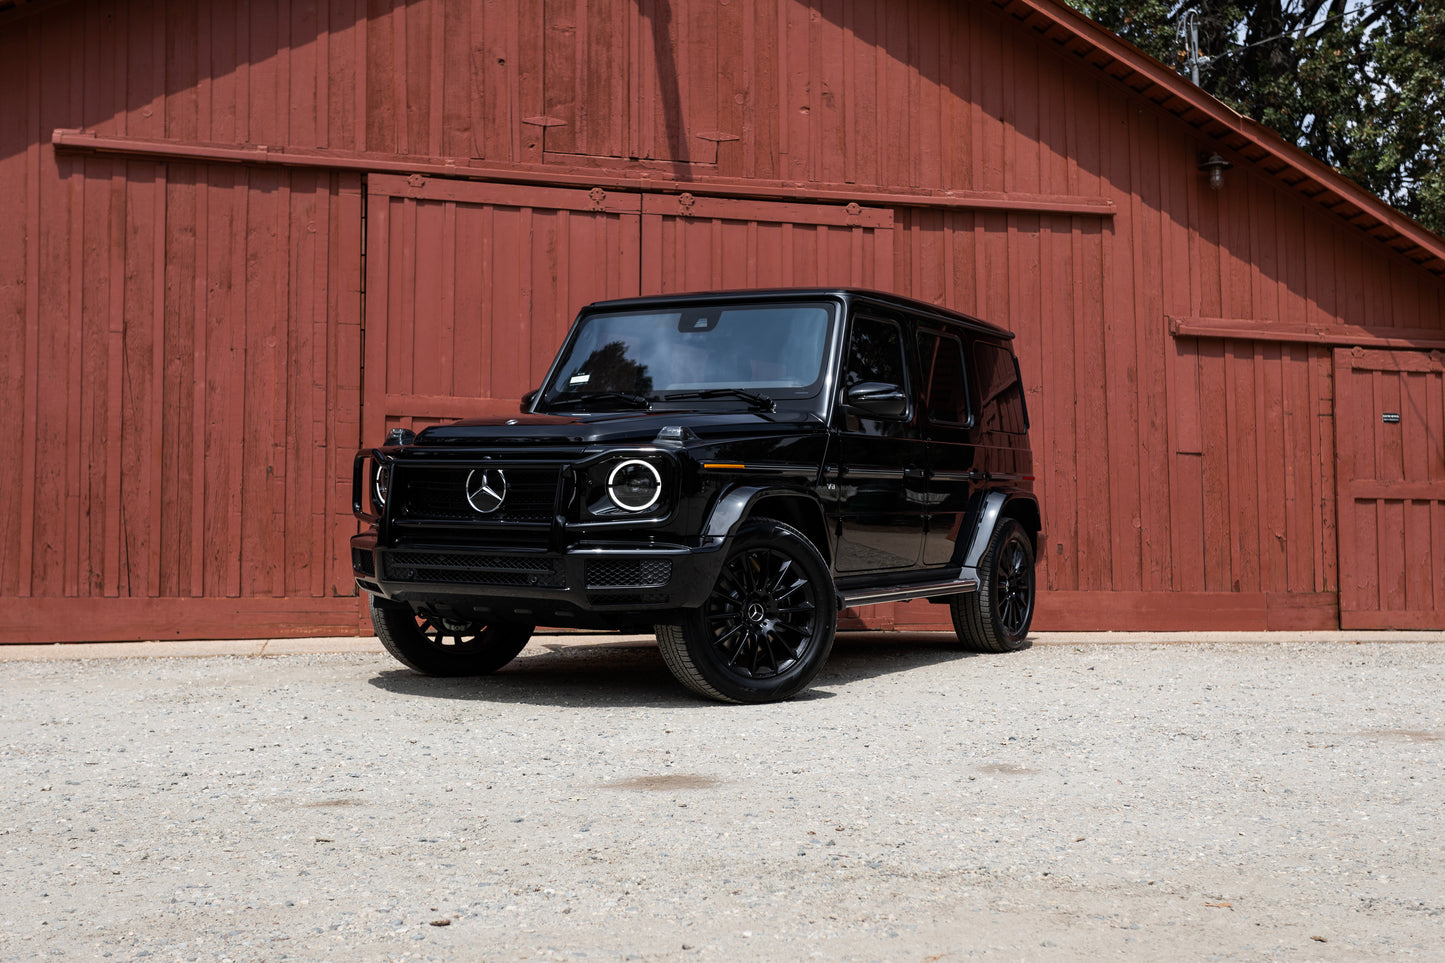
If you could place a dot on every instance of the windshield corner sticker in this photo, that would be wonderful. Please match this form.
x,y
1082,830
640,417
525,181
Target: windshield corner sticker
x,y
580,379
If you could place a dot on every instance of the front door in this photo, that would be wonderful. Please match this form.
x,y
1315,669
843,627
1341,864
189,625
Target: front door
x,y
880,482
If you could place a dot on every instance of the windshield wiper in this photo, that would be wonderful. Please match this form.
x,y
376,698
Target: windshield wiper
x,y
761,402
587,398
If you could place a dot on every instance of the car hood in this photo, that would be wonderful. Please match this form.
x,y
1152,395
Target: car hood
x,y
631,427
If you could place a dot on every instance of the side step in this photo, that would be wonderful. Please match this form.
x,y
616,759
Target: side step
x,y
902,593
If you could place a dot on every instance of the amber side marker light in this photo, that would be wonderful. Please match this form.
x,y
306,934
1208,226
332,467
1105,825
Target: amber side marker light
x,y
723,465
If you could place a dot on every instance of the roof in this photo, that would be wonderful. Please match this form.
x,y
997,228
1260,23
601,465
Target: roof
x,y
846,294
1238,137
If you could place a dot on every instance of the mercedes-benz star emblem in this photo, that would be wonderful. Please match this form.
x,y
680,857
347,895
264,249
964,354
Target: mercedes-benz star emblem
x,y
486,489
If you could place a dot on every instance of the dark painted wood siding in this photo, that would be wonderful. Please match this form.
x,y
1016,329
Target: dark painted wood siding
x,y
182,338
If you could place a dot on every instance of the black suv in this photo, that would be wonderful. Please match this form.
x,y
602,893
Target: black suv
x,y
728,468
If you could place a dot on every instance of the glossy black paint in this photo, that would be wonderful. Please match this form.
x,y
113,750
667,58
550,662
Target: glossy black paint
x,y
890,494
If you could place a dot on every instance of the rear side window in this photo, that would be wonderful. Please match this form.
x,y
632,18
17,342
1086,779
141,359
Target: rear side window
x,y
940,357
1000,393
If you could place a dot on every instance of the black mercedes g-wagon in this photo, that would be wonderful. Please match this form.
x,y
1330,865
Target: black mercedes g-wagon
x,y
729,468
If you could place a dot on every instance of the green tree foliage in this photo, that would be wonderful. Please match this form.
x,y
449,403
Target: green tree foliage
x,y
1359,84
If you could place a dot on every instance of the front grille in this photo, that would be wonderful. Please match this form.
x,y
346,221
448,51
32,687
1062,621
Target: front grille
x,y
469,569
628,572
435,493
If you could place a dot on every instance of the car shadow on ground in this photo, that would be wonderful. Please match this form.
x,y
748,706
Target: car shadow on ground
x,y
611,672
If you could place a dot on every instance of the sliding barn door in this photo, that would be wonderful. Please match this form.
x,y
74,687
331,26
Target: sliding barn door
x,y
470,287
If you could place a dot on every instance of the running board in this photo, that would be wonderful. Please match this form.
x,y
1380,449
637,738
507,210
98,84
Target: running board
x,y
902,593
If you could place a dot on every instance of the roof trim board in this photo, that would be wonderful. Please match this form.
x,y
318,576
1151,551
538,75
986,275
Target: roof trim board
x,y
1246,139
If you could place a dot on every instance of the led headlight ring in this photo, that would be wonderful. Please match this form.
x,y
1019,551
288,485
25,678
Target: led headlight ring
x,y
634,485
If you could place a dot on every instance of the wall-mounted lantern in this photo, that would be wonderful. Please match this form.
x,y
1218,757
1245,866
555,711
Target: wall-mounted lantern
x,y
1215,166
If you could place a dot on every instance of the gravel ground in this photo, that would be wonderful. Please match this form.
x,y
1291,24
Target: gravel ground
x,y
1072,801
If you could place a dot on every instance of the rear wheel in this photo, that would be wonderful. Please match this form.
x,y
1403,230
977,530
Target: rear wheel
x,y
445,647
997,616
767,627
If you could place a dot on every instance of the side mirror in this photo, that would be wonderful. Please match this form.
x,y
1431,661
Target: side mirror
x,y
526,406
878,399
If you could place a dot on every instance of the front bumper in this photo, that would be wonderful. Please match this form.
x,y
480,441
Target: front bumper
x,y
588,584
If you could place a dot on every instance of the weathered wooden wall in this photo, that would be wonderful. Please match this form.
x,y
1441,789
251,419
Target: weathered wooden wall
x,y
182,337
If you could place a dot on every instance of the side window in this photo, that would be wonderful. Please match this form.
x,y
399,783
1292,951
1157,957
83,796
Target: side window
x,y
1000,394
875,353
945,398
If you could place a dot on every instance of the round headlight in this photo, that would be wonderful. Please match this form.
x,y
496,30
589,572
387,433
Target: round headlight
x,y
634,486
381,485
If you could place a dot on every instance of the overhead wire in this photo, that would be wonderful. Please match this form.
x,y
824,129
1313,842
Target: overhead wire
x,y
1303,28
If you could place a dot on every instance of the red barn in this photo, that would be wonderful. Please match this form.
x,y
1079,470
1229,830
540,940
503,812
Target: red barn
x,y
243,238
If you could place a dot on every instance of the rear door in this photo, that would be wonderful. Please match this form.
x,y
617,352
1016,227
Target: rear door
x,y
947,420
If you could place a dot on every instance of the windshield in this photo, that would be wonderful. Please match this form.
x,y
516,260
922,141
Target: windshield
x,y
776,351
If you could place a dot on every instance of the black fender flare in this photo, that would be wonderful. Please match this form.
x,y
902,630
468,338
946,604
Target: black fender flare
x,y
995,507
735,506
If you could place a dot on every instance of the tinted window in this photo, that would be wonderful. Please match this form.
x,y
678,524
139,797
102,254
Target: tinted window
x,y
1001,396
945,397
875,353
778,349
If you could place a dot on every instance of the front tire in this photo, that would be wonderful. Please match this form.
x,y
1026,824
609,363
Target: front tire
x,y
445,647
767,627
996,617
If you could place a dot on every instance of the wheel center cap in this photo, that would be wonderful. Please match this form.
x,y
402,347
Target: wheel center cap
x,y
754,612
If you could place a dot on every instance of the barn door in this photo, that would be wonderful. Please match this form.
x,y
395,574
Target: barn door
x,y
1390,450
470,288
711,243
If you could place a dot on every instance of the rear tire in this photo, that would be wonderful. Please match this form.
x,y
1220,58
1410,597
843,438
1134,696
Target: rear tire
x,y
445,647
996,617
768,626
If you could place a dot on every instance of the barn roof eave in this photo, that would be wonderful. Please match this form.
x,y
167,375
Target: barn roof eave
x,y
1241,136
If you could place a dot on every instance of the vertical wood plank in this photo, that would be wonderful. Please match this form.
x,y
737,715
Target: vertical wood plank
x,y
199,419
78,461
114,376
1061,465
345,312
529,95
455,90
1121,367
155,475
1345,472
30,412
377,65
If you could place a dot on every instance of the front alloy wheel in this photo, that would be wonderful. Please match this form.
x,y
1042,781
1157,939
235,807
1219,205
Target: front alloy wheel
x,y
767,626
445,647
